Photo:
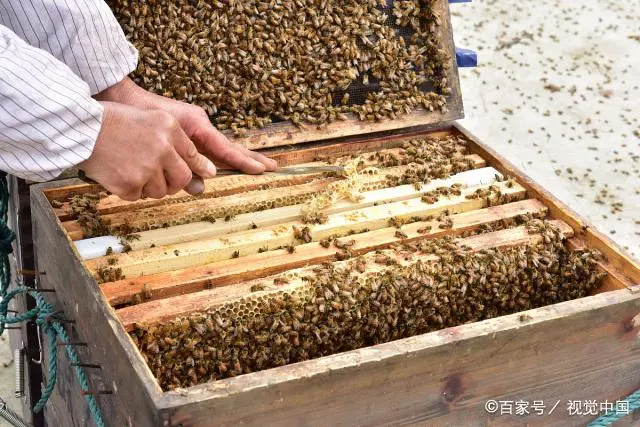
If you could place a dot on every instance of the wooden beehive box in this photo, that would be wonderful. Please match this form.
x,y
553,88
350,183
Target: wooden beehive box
x,y
529,348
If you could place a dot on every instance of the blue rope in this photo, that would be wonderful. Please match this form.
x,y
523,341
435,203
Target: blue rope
x,y
43,313
612,416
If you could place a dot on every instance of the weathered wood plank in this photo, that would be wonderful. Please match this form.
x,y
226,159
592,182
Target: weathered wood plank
x,y
264,264
222,186
169,308
157,215
284,133
310,154
125,372
215,187
558,353
331,149
198,252
203,229
72,187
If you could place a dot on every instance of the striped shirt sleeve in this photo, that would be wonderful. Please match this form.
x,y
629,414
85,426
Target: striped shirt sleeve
x,y
48,120
83,34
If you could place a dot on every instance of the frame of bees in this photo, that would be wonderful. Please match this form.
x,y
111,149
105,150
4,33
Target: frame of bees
x,y
428,278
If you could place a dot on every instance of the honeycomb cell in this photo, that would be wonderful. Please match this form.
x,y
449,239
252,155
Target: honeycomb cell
x,y
340,309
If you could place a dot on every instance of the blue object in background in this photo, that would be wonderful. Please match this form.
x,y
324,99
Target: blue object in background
x,y
466,58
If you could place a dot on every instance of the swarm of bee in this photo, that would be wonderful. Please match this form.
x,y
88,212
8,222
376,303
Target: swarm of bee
x,y
433,196
424,159
248,62
430,158
105,274
84,208
345,306
492,195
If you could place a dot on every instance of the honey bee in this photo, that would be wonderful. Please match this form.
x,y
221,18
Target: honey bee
x,y
257,288
424,230
401,235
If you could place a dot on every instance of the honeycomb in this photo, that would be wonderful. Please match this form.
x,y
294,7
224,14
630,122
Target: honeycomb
x,y
205,212
418,161
341,308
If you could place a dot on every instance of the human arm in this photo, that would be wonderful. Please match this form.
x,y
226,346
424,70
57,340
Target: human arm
x,y
196,125
83,34
49,123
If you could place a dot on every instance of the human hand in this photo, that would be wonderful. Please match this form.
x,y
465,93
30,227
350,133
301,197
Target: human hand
x,y
196,125
143,153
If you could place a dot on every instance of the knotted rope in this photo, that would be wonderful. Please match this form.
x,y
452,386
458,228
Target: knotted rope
x,y
43,314
612,416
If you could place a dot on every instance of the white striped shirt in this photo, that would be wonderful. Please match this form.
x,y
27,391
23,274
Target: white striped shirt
x,y
55,54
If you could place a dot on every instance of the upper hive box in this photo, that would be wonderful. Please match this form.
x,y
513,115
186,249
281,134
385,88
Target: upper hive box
x,y
431,279
285,72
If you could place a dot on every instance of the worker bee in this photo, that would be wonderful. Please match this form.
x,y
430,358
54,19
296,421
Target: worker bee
x,y
303,234
401,235
448,223
257,287
280,281
343,244
424,230
209,218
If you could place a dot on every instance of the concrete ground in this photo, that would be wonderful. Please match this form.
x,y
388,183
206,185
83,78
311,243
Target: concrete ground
x,y
557,93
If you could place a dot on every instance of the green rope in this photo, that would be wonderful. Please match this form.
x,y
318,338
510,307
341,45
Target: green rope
x,y
43,314
612,416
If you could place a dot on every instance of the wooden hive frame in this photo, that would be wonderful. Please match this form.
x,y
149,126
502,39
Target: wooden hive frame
x,y
286,133
549,353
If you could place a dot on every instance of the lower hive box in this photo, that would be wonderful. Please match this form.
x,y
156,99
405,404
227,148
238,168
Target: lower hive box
x,y
428,279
